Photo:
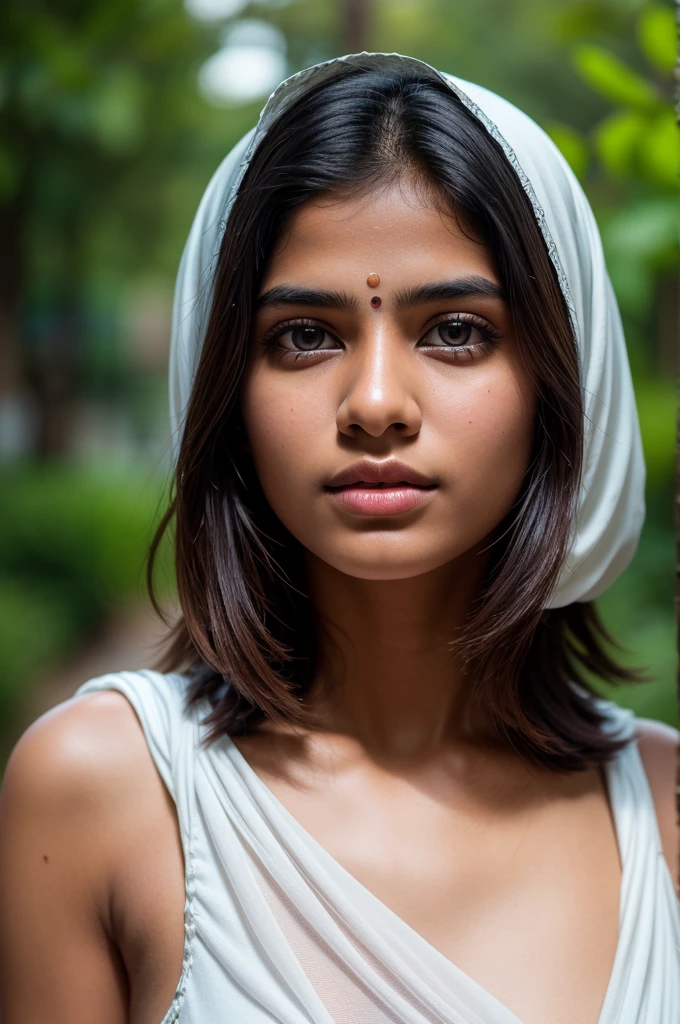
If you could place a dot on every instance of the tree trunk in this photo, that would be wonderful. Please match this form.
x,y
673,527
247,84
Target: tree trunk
x,y
357,18
53,352
11,290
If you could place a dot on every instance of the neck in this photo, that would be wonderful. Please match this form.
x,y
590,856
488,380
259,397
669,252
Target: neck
x,y
387,674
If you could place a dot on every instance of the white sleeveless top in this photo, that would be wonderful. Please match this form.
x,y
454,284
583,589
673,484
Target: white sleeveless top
x,y
277,930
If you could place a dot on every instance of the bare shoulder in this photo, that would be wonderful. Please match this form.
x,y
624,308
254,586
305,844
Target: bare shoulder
x,y
659,746
81,758
81,742
75,790
69,781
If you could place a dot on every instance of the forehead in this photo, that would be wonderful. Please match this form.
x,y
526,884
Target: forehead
x,y
396,231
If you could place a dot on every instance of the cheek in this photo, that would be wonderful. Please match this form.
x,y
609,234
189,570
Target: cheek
x,y
489,430
279,422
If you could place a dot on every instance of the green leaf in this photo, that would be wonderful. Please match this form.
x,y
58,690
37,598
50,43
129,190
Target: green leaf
x,y
657,34
613,79
616,141
571,144
659,151
646,230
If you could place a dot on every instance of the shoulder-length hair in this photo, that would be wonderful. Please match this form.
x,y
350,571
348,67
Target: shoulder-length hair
x,y
247,637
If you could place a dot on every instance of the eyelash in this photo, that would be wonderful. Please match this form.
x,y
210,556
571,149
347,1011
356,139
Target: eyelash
x,y
489,333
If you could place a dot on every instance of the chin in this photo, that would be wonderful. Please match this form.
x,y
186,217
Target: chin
x,y
389,561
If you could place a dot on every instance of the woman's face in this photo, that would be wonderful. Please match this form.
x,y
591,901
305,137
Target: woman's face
x,y
430,377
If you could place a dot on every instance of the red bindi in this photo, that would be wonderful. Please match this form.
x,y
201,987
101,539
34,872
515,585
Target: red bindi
x,y
376,301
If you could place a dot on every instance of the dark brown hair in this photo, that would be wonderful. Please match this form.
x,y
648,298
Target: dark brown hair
x,y
247,637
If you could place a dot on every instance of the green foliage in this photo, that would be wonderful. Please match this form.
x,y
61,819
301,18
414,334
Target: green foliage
x,y
38,627
117,111
656,401
639,608
571,144
637,155
617,138
657,35
647,229
632,178
72,544
639,140
646,145
613,79
640,241
89,94
660,154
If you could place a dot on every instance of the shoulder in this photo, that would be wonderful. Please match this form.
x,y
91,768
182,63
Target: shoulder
x,y
72,750
659,746
74,779
91,871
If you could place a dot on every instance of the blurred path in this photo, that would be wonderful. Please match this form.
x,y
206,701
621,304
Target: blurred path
x,y
130,639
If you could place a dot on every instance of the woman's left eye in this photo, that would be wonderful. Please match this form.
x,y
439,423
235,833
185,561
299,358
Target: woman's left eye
x,y
460,333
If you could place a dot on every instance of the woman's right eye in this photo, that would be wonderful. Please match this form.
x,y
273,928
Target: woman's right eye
x,y
303,338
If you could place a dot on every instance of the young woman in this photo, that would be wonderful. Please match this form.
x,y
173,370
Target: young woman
x,y
371,782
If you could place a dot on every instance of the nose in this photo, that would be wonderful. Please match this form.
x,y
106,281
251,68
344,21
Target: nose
x,y
379,389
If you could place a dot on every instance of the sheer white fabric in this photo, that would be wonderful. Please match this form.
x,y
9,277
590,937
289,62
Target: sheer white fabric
x,y
277,930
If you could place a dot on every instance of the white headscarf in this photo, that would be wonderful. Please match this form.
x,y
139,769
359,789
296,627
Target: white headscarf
x,y
611,502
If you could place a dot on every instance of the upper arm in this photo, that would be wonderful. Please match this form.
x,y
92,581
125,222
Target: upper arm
x,y
659,746
62,789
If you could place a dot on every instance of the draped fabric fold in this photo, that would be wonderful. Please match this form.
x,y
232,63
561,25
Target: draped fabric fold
x,y
277,930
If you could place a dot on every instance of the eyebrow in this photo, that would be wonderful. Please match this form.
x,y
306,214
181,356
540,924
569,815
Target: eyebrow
x,y
285,295
461,287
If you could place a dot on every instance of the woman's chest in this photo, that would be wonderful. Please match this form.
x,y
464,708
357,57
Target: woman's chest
x,y
525,902
513,876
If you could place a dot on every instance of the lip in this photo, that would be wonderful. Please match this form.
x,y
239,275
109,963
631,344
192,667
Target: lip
x,y
385,488
387,471
371,500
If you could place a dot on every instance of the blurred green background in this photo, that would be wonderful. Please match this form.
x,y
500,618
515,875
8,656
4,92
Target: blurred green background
x,y
114,115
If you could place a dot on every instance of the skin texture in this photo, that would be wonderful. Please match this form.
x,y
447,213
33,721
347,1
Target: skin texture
x,y
390,590
402,783
91,872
